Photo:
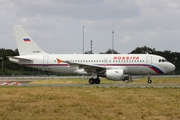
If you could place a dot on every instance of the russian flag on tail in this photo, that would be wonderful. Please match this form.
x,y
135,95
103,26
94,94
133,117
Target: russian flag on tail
x,y
26,39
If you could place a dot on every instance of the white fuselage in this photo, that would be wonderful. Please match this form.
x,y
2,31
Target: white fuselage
x,y
130,63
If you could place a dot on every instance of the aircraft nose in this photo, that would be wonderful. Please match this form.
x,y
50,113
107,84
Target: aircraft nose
x,y
171,67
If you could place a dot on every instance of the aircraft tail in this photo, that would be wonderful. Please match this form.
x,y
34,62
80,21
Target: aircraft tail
x,y
26,45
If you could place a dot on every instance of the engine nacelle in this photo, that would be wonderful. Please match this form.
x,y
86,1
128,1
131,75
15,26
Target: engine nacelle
x,y
115,74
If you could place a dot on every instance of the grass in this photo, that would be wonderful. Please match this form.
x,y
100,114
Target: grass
x,y
90,103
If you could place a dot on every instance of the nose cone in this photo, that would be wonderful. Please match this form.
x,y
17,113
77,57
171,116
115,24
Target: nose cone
x,y
171,67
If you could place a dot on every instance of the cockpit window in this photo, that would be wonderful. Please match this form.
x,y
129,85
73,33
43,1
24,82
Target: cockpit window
x,y
163,60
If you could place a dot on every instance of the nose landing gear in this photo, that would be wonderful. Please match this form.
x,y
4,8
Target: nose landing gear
x,y
149,79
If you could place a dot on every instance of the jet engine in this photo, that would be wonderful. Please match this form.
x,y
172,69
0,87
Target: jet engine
x,y
115,74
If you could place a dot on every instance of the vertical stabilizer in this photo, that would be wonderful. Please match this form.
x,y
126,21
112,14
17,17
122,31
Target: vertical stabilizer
x,y
26,45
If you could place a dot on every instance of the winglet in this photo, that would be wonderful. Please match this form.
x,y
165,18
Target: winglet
x,y
58,60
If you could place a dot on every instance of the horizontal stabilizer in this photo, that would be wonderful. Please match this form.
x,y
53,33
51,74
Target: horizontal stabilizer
x,y
19,58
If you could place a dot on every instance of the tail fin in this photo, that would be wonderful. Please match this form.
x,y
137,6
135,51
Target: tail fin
x,y
25,43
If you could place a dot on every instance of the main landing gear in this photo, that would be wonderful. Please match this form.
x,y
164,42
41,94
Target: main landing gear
x,y
94,81
149,79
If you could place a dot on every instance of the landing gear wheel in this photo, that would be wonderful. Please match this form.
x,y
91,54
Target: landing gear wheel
x,y
149,81
97,81
91,81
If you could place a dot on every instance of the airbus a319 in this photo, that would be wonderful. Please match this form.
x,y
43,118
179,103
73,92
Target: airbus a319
x,y
110,66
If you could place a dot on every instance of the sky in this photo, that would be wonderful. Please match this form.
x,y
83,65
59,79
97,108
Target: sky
x,y
57,25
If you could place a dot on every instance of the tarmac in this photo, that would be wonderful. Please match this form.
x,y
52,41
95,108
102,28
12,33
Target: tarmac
x,y
127,85
24,82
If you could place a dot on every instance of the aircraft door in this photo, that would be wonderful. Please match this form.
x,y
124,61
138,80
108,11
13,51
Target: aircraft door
x,y
45,61
149,61
105,62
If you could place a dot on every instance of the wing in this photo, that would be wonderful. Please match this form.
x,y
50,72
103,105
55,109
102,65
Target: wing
x,y
86,67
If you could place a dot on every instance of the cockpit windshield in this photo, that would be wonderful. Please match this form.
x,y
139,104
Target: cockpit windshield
x,y
163,60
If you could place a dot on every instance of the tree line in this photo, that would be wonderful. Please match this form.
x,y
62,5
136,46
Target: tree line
x,y
10,68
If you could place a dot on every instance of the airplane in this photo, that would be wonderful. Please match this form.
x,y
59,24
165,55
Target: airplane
x,y
117,67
